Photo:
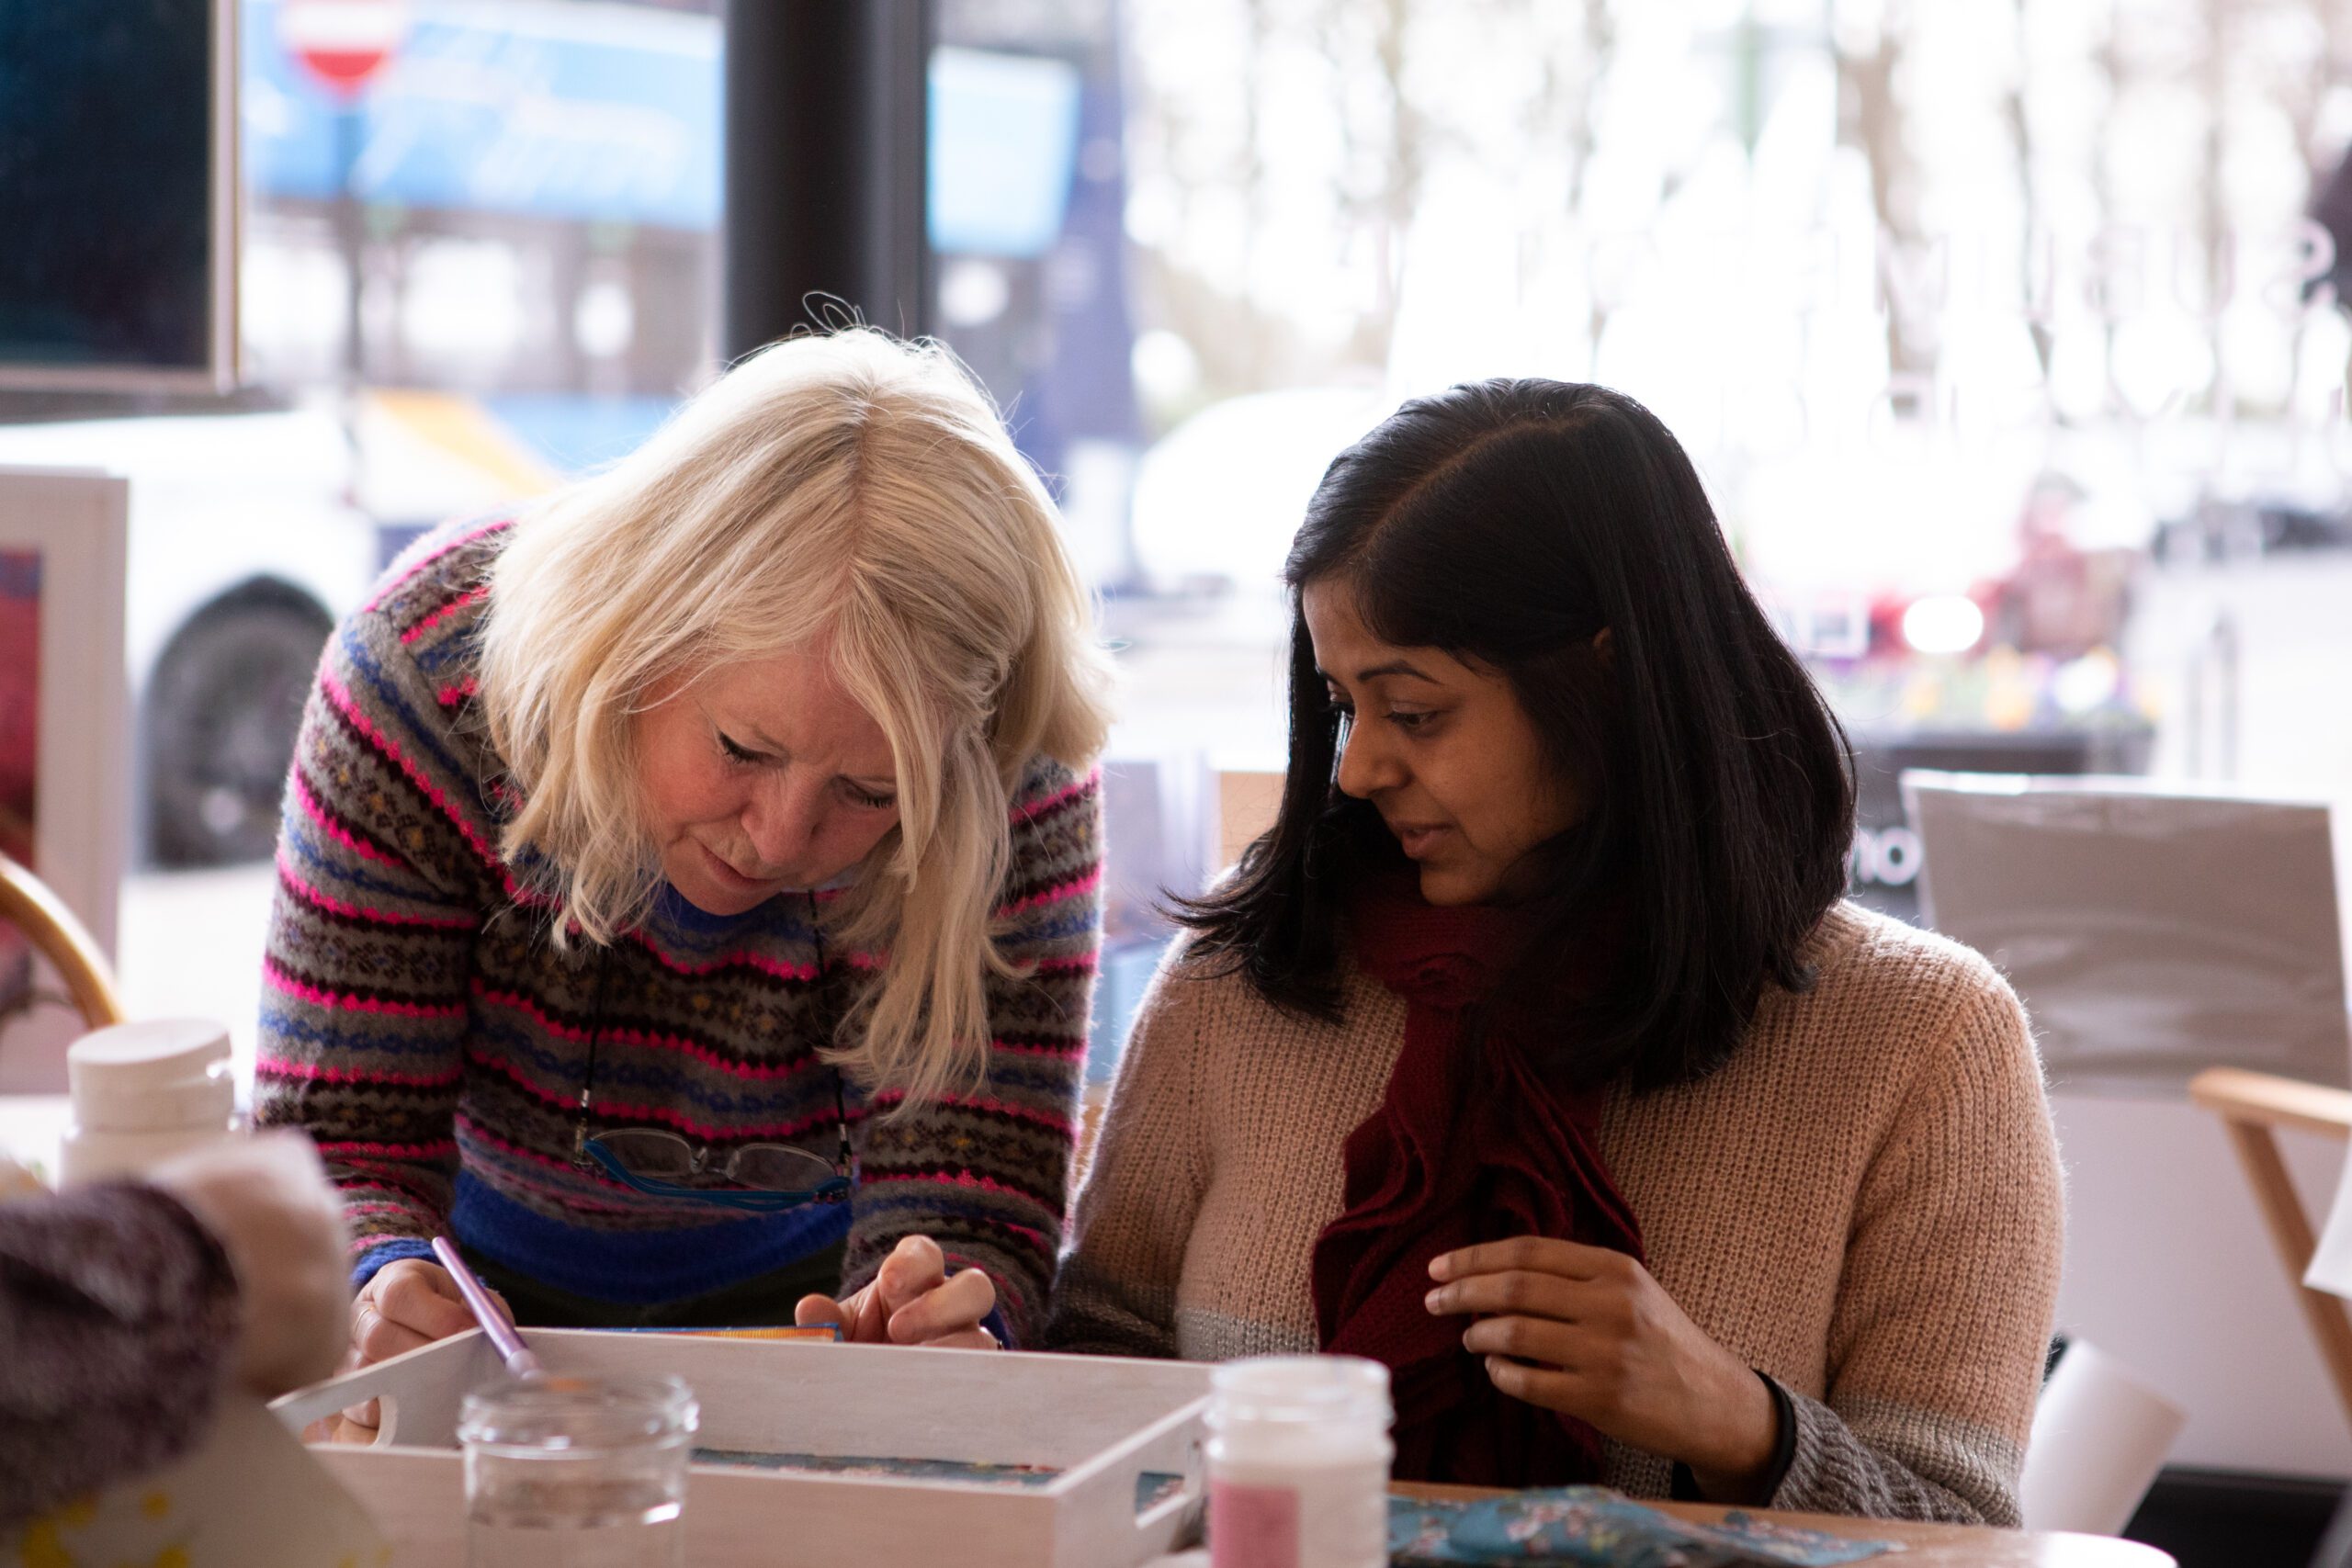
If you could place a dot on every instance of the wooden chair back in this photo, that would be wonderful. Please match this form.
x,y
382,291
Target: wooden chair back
x,y
27,903
2253,1106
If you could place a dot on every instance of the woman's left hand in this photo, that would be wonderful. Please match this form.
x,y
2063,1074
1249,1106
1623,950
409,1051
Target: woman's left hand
x,y
1586,1331
913,1300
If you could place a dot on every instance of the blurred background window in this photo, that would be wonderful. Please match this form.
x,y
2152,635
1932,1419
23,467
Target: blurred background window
x,y
479,255
2005,337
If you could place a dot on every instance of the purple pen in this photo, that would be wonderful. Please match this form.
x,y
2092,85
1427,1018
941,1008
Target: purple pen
x,y
518,1357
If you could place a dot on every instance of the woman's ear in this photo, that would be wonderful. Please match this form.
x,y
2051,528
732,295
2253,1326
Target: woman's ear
x,y
1604,646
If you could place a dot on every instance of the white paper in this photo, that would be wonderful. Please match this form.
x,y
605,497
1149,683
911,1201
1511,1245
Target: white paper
x,y
2152,931
2100,1436
2331,1267
249,1496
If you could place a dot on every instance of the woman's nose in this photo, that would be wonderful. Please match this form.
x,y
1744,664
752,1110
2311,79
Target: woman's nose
x,y
1364,766
780,821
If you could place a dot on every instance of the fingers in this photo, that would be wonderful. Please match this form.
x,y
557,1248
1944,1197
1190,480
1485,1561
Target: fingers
x,y
409,1303
1522,1291
1523,1338
1534,1254
954,1308
1546,1386
915,1267
375,1337
858,1315
422,1299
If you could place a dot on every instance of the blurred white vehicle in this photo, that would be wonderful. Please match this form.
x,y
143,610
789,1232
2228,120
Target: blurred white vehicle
x,y
1217,499
243,550
251,535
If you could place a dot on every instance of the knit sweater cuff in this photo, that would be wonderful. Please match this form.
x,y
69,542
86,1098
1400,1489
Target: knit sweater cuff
x,y
1835,1470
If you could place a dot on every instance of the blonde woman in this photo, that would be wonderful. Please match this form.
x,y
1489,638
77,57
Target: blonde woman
x,y
688,888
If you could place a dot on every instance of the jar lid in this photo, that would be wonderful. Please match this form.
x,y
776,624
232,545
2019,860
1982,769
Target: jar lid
x,y
161,1072
582,1417
1301,1389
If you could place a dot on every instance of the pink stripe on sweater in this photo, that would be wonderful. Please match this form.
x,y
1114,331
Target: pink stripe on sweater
x,y
966,1180
1077,887
1033,1048
988,1105
761,962
699,1052
458,692
279,980
317,899
416,558
316,1072
341,701
434,1150
1037,808
331,829
622,1109
474,595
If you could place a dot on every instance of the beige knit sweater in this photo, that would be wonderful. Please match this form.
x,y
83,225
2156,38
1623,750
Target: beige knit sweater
x,y
1864,1204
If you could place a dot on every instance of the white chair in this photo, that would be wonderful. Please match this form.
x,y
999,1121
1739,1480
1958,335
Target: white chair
x,y
2100,1434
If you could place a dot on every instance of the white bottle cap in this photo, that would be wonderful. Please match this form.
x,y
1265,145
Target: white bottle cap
x,y
154,1075
1306,1390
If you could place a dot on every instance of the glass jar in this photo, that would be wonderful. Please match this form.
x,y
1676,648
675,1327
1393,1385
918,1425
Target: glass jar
x,y
577,1472
1298,1456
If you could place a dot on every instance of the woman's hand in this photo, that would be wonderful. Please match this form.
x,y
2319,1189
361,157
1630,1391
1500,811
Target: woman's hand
x,y
406,1303
912,1302
1586,1331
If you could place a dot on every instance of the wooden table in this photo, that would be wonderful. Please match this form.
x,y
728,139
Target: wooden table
x,y
1925,1546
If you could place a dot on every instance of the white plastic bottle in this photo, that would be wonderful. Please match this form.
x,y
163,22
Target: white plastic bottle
x,y
1298,1456
143,1092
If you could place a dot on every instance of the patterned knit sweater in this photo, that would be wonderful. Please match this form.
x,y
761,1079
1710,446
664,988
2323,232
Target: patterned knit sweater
x,y
1864,1204
119,1315
419,1023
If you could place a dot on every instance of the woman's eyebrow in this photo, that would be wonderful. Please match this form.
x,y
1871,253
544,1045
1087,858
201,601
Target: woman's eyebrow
x,y
1394,667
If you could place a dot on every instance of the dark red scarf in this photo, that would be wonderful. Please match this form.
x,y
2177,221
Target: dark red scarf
x,y
1460,1151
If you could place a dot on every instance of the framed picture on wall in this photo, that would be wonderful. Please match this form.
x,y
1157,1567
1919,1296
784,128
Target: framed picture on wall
x,y
64,738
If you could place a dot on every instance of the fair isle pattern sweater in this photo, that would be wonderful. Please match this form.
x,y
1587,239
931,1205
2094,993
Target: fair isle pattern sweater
x,y
1864,1204
418,1023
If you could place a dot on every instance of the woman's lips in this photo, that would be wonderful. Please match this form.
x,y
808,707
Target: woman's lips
x,y
1416,838
727,873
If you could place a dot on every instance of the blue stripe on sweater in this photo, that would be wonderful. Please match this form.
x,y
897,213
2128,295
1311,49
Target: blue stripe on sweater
x,y
638,1267
388,697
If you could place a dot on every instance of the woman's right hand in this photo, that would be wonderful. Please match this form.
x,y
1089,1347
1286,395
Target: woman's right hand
x,y
407,1303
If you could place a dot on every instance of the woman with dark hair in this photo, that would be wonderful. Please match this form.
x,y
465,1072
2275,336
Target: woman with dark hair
x,y
1533,1050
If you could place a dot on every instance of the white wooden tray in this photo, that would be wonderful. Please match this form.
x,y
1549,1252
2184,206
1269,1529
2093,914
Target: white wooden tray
x,y
1113,1427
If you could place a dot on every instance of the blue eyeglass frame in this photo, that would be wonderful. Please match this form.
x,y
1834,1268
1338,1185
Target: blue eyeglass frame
x,y
837,1191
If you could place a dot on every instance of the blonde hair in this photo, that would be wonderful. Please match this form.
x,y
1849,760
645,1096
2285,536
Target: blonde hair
x,y
843,491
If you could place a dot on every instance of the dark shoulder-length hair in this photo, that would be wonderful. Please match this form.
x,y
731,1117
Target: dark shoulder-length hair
x,y
1509,523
